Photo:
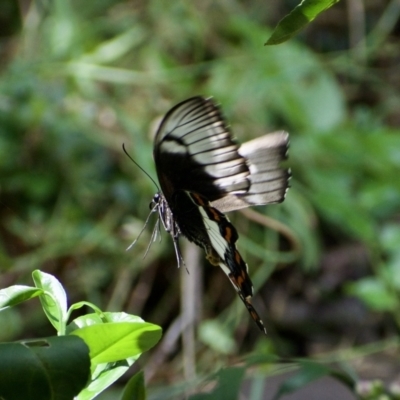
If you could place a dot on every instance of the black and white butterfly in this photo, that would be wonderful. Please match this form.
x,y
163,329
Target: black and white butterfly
x,y
204,173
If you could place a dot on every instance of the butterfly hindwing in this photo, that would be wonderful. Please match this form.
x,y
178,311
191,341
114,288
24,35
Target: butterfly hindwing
x,y
220,248
268,180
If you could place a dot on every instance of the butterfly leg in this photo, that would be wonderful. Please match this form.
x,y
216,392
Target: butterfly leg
x,y
178,253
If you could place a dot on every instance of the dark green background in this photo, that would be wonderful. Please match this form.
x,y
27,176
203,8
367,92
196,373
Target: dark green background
x,y
80,78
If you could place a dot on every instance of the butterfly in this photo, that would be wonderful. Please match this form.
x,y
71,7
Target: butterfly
x,y
204,173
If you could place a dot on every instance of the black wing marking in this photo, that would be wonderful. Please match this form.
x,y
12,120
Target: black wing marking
x,y
194,151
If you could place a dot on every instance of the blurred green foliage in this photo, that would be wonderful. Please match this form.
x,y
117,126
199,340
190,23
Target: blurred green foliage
x,y
78,79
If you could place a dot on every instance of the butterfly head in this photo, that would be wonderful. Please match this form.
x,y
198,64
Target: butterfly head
x,y
155,202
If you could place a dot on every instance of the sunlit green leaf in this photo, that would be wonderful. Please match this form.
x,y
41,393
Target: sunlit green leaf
x,y
54,299
114,341
298,18
16,294
105,375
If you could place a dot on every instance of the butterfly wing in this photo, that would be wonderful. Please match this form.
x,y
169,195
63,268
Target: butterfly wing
x,y
268,180
194,151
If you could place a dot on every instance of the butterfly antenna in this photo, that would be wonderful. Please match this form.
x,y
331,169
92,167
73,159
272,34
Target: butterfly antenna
x,y
179,257
123,147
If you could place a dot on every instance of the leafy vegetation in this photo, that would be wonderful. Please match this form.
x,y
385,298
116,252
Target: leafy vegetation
x,y
79,79
109,343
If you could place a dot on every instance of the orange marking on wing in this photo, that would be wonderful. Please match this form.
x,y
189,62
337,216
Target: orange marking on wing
x,y
240,280
255,316
198,199
238,257
215,214
228,234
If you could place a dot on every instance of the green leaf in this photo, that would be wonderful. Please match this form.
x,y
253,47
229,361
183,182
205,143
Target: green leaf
x,y
229,383
55,368
100,318
135,388
390,237
228,387
298,18
374,294
309,371
110,50
216,336
391,274
12,324
116,341
54,299
124,338
105,375
77,306
16,294
289,81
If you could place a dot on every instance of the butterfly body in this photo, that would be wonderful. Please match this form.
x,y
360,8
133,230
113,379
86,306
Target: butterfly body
x,y
204,173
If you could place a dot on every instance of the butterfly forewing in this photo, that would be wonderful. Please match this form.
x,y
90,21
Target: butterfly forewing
x,y
203,173
193,150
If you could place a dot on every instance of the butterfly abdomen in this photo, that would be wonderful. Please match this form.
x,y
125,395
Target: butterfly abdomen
x,y
189,218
